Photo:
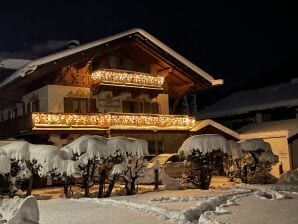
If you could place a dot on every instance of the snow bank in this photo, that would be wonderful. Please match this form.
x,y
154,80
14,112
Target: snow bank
x,y
270,194
204,144
17,150
211,204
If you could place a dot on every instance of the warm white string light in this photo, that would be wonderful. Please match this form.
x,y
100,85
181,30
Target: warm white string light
x,y
113,120
127,78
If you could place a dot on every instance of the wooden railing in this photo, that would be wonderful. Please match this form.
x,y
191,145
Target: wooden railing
x,y
112,121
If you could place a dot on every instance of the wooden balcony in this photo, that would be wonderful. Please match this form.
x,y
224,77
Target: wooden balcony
x,y
122,121
126,81
52,122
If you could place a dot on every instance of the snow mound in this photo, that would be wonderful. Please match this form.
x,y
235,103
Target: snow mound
x,y
270,194
204,144
27,212
194,213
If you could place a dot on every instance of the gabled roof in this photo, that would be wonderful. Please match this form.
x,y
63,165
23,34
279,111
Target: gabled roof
x,y
282,128
201,124
32,66
281,95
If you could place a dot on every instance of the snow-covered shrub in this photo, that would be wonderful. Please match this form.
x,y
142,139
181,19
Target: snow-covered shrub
x,y
132,165
203,154
13,166
257,161
232,164
97,155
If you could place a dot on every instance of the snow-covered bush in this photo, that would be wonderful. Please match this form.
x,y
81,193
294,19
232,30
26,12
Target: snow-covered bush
x,y
232,164
203,154
257,161
98,155
131,153
14,158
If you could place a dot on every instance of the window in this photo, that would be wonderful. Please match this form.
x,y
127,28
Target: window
x,y
79,105
139,107
33,106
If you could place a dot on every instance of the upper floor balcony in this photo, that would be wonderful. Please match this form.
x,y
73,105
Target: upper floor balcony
x,y
123,80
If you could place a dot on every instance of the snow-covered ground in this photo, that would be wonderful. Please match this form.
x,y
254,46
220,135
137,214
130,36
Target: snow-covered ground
x,y
223,203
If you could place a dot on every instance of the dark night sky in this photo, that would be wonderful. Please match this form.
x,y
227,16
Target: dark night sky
x,y
239,43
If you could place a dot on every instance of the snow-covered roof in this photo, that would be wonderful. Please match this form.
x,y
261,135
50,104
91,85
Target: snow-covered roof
x,y
13,63
282,128
204,123
281,95
32,66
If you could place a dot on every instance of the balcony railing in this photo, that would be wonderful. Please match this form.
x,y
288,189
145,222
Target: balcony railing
x,y
126,78
111,121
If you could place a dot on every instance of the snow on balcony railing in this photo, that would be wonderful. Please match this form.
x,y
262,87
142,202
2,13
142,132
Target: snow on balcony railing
x,y
127,78
112,121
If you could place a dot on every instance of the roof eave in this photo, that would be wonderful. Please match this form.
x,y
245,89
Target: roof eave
x,y
32,66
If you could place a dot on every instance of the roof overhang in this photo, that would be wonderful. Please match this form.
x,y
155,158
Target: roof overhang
x,y
31,67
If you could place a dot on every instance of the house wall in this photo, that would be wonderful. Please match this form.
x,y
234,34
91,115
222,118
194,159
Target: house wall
x,y
56,94
105,102
163,101
42,96
280,147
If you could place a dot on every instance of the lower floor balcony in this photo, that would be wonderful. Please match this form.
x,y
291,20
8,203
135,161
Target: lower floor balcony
x,y
93,121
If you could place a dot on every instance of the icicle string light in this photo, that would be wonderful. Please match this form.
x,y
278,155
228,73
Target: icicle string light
x,y
112,120
127,78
